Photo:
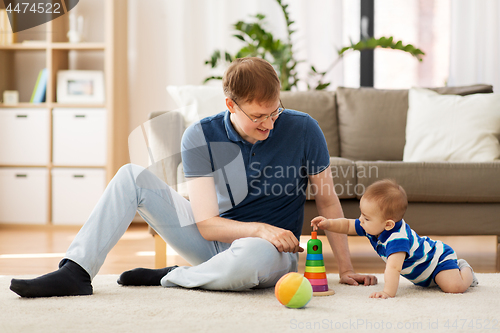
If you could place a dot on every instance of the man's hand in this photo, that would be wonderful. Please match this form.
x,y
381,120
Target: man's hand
x,y
284,240
355,279
380,294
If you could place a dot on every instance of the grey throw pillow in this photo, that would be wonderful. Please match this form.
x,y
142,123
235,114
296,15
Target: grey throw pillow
x,y
372,122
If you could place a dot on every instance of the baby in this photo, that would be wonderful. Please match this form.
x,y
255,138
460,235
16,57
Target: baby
x,y
421,260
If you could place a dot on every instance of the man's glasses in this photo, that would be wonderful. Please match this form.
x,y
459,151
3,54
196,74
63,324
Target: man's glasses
x,y
262,119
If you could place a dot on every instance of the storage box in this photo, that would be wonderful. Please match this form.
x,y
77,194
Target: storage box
x,y
79,137
24,195
75,192
24,136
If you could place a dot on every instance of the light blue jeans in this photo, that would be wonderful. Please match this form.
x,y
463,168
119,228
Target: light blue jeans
x,y
246,263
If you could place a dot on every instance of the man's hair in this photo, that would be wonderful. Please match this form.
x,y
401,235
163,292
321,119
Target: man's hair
x,y
251,79
390,197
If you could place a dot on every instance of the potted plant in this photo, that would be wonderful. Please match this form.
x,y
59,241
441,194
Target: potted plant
x,y
259,42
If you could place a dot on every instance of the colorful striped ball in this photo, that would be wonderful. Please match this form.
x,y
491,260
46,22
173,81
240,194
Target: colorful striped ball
x,y
293,290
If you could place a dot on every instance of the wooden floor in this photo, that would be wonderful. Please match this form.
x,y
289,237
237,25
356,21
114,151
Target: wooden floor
x,y
38,250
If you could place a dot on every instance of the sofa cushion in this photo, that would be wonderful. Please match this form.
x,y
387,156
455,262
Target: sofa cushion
x,y
344,179
471,132
321,106
436,181
372,122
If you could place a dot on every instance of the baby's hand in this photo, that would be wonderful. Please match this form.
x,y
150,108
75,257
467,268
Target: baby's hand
x,y
319,222
380,294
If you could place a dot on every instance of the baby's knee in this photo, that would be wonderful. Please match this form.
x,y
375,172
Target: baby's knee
x,y
453,287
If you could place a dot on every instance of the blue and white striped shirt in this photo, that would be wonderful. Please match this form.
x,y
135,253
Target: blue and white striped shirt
x,y
422,253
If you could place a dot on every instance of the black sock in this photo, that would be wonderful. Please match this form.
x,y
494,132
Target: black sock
x,y
69,280
144,276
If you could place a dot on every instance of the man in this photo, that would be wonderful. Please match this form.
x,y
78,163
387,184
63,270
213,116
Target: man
x,y
247,170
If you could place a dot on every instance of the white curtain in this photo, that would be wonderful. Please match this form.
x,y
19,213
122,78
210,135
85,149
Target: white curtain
x,y
169,41
195,28
475,43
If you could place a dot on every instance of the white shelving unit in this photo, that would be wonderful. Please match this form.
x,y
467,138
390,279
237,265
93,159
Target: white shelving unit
x,y
56,159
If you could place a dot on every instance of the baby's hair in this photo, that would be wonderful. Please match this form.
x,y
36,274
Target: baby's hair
x,y
390,197
251,79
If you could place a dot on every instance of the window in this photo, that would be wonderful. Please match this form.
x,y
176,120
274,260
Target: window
x,y
426,25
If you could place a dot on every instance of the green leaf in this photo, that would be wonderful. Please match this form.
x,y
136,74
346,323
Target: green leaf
x,y
342,50
409,48
372,43
246,51
322,86
398,46
238,25
361,45
240,37
214,59
384,42
212,78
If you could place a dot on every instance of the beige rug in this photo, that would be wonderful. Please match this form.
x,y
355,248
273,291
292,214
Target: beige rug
x,y
154,309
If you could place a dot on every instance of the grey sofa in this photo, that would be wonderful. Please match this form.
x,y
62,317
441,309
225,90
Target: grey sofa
x,y
365,133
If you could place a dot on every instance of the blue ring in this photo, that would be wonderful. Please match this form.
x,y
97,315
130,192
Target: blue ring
x,y
314,256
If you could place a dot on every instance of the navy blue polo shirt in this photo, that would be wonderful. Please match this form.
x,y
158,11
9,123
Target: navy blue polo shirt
x,y
261,182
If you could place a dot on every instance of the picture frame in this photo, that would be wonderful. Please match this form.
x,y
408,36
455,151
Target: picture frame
x,y
10,97
80,87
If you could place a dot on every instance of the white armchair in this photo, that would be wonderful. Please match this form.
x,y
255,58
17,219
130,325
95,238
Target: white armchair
x,y
163,133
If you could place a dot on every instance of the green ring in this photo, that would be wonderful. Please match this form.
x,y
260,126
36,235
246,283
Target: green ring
x,y
315,263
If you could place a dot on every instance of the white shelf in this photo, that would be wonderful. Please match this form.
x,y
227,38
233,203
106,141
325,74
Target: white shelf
x,y
54,53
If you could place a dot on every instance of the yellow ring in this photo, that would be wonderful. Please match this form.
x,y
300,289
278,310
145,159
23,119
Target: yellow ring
x,y
315,269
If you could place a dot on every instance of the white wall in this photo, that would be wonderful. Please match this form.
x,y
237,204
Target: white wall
x,y
169,41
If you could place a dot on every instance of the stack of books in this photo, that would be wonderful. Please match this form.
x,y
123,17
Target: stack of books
x,y
6,35
38,95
